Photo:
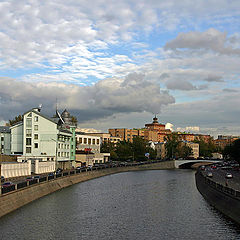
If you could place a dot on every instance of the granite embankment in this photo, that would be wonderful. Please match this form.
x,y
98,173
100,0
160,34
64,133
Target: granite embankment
x,y
16,199
223,198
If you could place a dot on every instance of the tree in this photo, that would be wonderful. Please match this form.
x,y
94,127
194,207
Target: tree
x,y
17,119
172,144
184,151
206,148
124,150
139,148
233,151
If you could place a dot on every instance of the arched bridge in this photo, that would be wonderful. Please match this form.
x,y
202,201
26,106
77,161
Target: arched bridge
x,y
188,163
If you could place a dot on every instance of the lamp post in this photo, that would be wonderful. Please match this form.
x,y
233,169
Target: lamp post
x,y
56,152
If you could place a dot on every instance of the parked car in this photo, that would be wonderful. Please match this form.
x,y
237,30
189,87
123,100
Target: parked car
x,y
7,184
36,177
209,174
2,179
229,175
51,174
59,170
29,178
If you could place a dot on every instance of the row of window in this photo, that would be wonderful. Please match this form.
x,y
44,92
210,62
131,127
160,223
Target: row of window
x,y
63,146
88,141
63,154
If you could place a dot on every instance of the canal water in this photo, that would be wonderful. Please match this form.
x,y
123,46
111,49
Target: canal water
x,y
160,204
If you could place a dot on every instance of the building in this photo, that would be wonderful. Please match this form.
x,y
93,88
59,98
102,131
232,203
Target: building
x,y
5,140
106,137
42,138
195,149
88,150
154,132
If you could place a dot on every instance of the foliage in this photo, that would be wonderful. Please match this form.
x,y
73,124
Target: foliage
x,y
125,150
17,119
206,148
172,145
232,151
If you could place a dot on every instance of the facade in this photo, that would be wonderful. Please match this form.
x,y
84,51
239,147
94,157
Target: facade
x,y
5,140
154,132
42,138
88,150
106,137
195,149
17,138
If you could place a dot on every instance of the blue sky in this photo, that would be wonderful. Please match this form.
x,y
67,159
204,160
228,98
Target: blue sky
x,y
115,64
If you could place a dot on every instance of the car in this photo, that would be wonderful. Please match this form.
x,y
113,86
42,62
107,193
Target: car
x,y
29,178
79,168
203,168
213,167
59,170
7,184
209,174
229,175
89,166
2,179
36,177
51,174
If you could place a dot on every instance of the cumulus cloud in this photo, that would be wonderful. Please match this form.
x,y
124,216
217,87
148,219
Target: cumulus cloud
x,y
191,129
211,39
106,97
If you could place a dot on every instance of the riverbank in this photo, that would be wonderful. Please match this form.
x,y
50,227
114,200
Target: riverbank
x,y
223,198
16,199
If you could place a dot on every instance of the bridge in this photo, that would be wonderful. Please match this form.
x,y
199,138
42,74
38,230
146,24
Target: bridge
x,y
188,163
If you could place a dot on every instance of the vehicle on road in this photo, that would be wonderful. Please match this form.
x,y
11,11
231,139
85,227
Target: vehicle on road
x,y
59,170
209,174
229,175
36,177
2,179
7,184
29,178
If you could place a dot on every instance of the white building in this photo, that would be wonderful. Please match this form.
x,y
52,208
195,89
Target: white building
x,y
5,143
42,138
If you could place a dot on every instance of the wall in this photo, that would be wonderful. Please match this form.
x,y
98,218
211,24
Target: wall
x,y
16,199
44,167
15,169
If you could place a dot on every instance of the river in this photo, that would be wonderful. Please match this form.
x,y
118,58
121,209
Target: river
x,y
160,204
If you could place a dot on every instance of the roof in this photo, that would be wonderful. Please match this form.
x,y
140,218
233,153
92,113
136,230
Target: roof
x,y
4,129
40,114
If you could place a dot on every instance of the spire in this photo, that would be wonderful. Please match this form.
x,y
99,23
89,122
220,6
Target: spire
x,y
155,119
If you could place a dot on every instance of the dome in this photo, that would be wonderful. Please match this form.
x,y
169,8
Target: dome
x,y
65,114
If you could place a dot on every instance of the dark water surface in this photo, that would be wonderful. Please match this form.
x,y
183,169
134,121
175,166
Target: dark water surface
x,y
162,204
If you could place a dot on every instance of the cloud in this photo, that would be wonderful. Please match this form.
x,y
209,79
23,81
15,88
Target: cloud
x,y
180,85
211,39
106,97
191,129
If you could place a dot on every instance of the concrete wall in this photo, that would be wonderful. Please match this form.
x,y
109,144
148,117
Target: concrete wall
x,y
15,169
13,200
44,167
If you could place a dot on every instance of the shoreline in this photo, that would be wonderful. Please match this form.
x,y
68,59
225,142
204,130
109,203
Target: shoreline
x,y
18,198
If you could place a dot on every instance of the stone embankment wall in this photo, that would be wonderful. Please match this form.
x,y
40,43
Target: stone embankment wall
x,y
223,198
16,199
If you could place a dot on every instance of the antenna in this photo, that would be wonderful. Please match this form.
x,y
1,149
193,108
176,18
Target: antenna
x,y
39,107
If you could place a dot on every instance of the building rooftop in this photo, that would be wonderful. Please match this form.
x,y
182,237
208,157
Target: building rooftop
x,y
4,129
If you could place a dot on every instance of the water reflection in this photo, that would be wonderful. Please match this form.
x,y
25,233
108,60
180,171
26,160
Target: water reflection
x,y
134,205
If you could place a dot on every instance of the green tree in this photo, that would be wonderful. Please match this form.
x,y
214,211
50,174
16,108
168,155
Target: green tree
x,y
124,150
17,119
184,151
206,148
172,145
139,148
233,151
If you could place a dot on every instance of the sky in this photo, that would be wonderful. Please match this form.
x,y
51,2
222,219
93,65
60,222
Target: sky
x,y
116,64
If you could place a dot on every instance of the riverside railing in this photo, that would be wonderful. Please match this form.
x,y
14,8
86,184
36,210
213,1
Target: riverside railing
x,y
71,172
221,188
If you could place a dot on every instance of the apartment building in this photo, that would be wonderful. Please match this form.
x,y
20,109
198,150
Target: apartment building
x,y
5,140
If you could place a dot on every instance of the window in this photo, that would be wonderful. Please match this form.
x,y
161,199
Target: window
x,y
71,146
28,141
59,145
2,139
80,140
28,149
35,145
89,141
29,122
28,132
36,127
67,154
62,154
58,154
93,141
85,140
97,141
36,119
36,136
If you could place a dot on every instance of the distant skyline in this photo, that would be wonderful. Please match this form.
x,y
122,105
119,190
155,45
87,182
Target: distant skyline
x,y
116,64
